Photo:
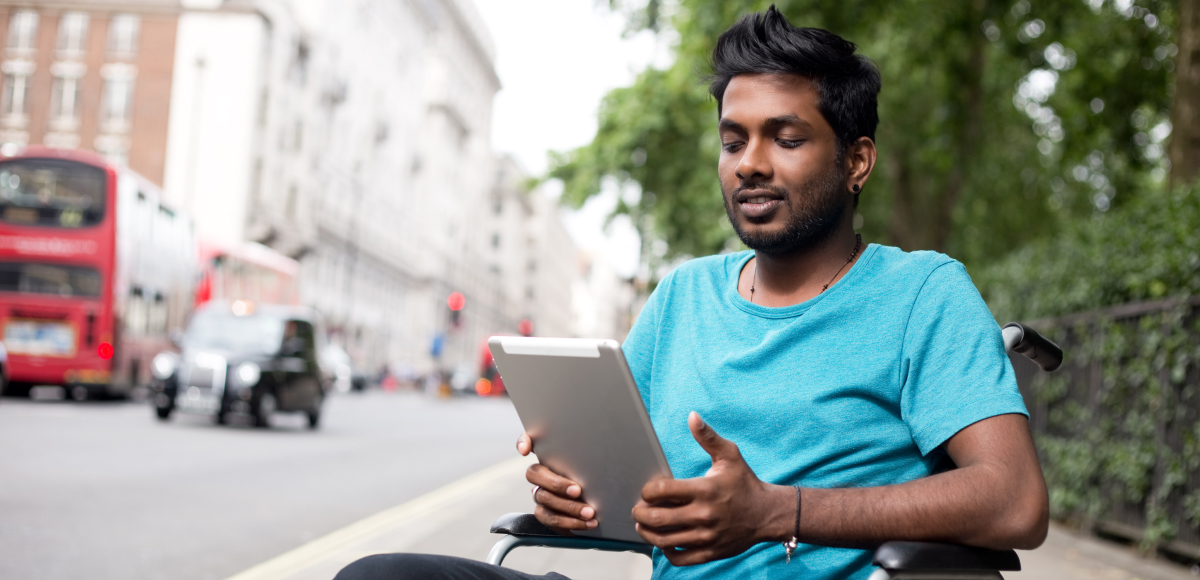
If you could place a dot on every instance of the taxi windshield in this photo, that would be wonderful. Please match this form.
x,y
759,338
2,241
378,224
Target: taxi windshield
x,y
221,330
51,192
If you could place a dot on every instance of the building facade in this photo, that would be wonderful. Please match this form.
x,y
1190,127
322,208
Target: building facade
x,y
72,74
351,135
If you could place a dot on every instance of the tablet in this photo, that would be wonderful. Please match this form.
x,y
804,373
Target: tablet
x,y
579,403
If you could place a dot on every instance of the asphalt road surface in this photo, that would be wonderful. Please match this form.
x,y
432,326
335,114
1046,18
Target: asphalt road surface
x,y
103,490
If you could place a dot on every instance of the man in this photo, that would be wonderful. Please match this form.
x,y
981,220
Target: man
x,y
809,394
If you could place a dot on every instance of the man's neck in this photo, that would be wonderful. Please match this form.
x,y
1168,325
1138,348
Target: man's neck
x,y
786,279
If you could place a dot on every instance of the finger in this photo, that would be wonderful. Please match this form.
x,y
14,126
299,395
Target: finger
x,y
721,449
559,520
690,516
539,474
676,491
565,506
669,541
524,444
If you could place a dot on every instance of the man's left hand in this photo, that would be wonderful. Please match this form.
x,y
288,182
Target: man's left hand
x,y
716,516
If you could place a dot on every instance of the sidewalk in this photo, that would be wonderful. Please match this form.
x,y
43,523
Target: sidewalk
x,y
454,521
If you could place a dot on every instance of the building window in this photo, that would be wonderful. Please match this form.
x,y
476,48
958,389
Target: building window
x,y
123,35
22,30
495,240
16,89
117,96
64,101
117,99
72,34
290,205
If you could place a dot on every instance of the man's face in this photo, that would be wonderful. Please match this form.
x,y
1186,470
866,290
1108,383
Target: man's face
x,y
784,188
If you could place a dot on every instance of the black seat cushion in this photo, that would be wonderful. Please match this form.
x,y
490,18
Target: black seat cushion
x,y
932,556
519,524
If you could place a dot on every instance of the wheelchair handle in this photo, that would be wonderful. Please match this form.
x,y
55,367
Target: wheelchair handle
x,y
1026,341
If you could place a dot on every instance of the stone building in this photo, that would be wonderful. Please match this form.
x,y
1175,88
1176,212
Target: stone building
x,y
351,135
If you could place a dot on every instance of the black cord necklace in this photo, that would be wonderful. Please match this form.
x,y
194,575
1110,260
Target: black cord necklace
x,y
857,246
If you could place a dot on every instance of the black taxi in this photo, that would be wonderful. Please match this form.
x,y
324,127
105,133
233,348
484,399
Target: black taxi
x,y
242,358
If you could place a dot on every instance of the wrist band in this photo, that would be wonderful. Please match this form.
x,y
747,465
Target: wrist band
x,y
790,545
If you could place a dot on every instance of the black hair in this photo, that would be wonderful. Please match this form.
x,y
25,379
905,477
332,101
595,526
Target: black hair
x,y
847,83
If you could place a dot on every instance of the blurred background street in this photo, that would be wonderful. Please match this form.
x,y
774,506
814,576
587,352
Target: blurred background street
x,y
251,250
100,490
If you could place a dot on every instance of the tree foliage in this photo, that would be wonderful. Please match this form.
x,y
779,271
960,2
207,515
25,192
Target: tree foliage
x,y
1000,121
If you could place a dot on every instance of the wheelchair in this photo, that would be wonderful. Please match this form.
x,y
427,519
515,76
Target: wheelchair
x,y
896,560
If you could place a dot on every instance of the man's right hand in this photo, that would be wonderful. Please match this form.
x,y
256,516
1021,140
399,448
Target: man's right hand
x,y
557,497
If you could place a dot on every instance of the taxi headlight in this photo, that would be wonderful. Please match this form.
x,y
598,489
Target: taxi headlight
x,y
164,365
248,374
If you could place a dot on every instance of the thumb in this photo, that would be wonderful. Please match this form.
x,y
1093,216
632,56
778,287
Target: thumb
x,y
721,449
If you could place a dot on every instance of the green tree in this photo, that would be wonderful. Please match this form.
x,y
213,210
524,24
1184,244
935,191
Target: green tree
x,y
1000,121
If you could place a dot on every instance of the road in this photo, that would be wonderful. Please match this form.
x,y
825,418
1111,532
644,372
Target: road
x,y
102,490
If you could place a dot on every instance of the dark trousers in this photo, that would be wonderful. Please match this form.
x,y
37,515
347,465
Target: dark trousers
x,y
421,566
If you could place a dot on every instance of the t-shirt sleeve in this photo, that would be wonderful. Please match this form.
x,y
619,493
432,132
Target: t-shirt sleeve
x,y
955,370
640,343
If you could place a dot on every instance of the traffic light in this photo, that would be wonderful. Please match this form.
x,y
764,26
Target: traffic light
x,y
456,302
525,327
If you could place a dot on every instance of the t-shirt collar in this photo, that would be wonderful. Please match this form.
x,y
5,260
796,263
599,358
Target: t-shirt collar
x,y
738,261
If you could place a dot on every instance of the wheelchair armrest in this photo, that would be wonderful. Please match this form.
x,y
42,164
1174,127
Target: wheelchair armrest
x,y
518,524
526,530
932,556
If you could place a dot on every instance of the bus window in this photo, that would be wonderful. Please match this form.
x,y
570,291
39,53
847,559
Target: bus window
x,y
34,278
51,192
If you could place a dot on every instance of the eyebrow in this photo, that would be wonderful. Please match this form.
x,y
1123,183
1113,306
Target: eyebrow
x,y
730,125
789,119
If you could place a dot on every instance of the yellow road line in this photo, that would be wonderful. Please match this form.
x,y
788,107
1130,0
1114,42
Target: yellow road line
x,y
305,556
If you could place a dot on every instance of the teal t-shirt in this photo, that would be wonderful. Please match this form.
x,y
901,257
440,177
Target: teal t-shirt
x,y
857,387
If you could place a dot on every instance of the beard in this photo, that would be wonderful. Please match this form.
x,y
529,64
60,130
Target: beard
x,y
812,216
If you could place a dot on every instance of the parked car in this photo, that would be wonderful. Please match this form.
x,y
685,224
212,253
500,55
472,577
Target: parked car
x,y
243,358
339,370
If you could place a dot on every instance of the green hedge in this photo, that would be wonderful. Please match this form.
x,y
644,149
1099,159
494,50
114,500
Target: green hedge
x,y
1117,428
1146,249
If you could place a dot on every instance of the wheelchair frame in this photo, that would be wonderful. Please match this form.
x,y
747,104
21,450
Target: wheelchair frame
x,y
896,560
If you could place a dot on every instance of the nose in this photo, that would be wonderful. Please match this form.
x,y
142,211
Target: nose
x,y
754,164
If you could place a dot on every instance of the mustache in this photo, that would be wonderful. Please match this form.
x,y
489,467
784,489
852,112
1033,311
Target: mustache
x,y
751,185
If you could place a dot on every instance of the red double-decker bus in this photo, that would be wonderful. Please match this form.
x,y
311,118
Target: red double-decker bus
x,y
96,273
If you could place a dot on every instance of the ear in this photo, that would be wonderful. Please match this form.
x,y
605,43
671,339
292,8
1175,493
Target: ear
x,y
859,162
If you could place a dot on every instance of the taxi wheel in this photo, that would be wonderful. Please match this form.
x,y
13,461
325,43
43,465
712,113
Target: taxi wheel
x,y
262,411
163,413
314,419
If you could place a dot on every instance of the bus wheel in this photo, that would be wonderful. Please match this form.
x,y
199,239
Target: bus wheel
x,y
79,393
163,413
262,411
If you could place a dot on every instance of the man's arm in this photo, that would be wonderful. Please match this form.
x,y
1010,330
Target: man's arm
x,y
996,498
